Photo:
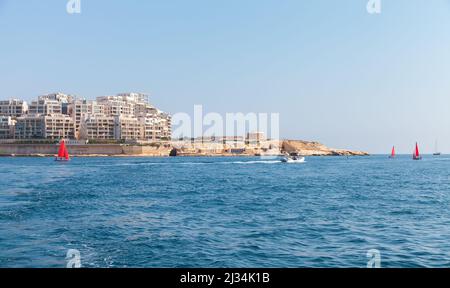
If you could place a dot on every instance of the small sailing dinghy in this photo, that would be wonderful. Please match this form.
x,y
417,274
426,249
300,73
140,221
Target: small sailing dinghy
x,y
392,153
63,153
416,155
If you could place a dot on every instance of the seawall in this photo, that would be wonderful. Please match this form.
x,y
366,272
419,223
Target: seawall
x,y
83,150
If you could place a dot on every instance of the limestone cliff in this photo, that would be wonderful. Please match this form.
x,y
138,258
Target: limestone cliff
x,y
306,148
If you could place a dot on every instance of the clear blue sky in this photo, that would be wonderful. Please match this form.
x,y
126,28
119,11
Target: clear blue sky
x,y
335,73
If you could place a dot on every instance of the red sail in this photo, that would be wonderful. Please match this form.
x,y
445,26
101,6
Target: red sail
x,y
393,152
417,151
62,148
66,153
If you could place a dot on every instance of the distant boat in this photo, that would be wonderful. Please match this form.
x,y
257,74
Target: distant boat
x,y
392,153
294,158
63,153
436,150
416,155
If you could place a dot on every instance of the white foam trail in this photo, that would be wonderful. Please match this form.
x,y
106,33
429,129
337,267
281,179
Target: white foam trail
x,y
255,162
200,163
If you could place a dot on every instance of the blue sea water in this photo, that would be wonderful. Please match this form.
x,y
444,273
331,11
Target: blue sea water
x,y
225,212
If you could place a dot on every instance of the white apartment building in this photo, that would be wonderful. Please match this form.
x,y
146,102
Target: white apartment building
x,y
128,128
126,116
116,105
98,127
30,127
80,109
6,127
13,108
35,126
156,127
58,127
77,109
136,98
60,97
45,107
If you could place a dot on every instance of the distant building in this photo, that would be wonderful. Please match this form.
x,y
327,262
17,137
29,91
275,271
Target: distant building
x,y
96,127
256,137
128,128
57,126
45,107
136,98
13,108
156,127
126,116
60,97
7,125
77,110
116,105
30,127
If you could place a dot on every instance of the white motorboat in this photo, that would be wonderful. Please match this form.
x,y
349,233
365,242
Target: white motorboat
x,y
293,159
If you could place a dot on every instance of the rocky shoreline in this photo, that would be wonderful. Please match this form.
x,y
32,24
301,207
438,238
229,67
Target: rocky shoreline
x,y
306,148
268,148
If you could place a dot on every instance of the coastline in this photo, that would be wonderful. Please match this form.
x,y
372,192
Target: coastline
x,y
178,149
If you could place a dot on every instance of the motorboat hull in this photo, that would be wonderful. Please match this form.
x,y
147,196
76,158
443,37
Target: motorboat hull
x,y
289,160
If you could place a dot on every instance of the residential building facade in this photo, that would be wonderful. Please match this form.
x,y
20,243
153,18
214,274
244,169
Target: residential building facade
x,y
122,117
7,125
13,108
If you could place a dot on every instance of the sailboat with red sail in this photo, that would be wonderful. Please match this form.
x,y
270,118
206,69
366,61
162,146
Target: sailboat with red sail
x,y
392,153
63,153
416,155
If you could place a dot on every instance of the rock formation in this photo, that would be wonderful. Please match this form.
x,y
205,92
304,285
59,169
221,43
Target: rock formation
x,y
316,149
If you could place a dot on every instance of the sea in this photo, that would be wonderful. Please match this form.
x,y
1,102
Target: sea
x,y
225,212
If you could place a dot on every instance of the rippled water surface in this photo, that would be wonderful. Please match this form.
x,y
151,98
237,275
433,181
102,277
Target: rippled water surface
x,y
225,212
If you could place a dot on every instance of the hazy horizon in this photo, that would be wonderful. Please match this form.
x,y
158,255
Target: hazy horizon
x,y
334,72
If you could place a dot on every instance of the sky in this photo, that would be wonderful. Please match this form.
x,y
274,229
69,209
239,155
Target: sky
x,y
335,73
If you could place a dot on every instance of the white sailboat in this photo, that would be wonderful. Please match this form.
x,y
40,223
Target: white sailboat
x,y
436,150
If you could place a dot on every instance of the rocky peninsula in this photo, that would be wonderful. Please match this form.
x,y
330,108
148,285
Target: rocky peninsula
x,y
263,148
306,148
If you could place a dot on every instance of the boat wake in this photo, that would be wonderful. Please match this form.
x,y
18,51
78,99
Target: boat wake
x,y
254,162
196,163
